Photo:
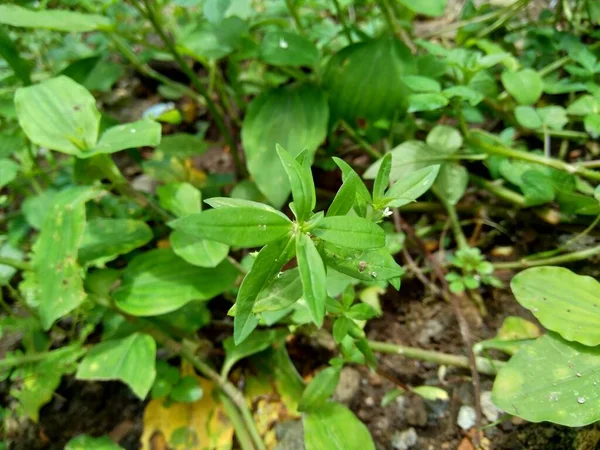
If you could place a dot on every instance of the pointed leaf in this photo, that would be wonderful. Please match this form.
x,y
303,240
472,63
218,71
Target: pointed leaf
x,y
130,135
353,232
382,180
181,199
367,265
320,389
451,183
53,19
301,182
313,276
10,53
345,197
410,188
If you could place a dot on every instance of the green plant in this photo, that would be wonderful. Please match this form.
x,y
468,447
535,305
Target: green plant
x,y
475,271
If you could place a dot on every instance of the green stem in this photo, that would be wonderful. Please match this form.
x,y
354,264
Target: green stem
x,y
21,360
20,265
387,15
532,157
4,305
342,20
499,191
555,260
241,432
295,16
459,235
483,365
360,141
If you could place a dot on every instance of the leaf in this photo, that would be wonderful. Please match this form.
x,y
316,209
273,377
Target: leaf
x,y
340,328
451,183
313,277
345,197
53,19
528,117
105,239
197,251
225,202
352,232
10,53
444,138
294,117
362,311
433,8
320,389
241,226
211,41
267,265
284,291
182,145
335,427
551,380
374,69
411,187
464,93
85,442
417,83
55,252
8,171
382,180
426,102
525,85
189,318
592,125
537,187
205,420
58,114
187,390
285,48
214,10
431,393
158,282
584,105
562,301
554,117
256,343
392,395
301,181
8,251
181,199
129,135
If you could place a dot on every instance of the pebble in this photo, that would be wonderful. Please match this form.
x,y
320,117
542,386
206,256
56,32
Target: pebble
x,y
404,440
489,410
348,386
416,413
466,417
431,329
290,435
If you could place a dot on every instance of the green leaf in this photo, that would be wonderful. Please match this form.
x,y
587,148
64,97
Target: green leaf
x,y
130,360
451,183
187,390
210,41
105,239
352,232
340,328
431,393
301,181
130,135
284,291
584,105
592,125
528,117
55,252
562,301
392,395
189,318
197,251
410,188
345,197
313,276
256,343
8,251
58,114
240,226
335,427
53,19
181,199
445,139
85,442
215,10
267,265
285,48
433,8
464,93
157,282
382,180
362,311
537,187
10,53
551,380
374,69
226,202
525,85
320,389
182,145
294,117
554,117
417,83
8,171
426,102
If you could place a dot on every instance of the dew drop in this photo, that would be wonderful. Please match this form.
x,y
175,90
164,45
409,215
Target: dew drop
x,y
132,131
374,274
283,43
535,310
580,400
262,227
553,397
578,374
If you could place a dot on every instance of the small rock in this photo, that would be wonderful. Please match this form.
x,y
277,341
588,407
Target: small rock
x,y
436,409
400,404
348,386
404,440
416,413
466,417
144,183
369,401
290,435
489,410
431,329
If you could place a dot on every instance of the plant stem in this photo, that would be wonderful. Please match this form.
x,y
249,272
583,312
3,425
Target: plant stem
x,y
360,141
20,265
383,6
484,365
342,20
294,13
241,432
21,360
499,191
555,260
459,235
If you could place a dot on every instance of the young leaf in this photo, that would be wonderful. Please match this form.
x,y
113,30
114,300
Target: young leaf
x,y
303,190
362,311
58,114
562,301
181,199
320,389
130,360
105,239
411,187
256,343
352,232
158,282
53,19
284,48
240,227
197,251
345,197
551,380
335,427
383,178
340,328
525,85
265,268
313,276
129,135
55,255
347,172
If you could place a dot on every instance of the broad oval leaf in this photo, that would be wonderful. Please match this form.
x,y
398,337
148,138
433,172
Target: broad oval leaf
x,y
525,85
241,227
352,232
320,389
59,114
53,19
294,117
375,70
335,427
284,48
197,251
562,301
181,199
551,380
158,282
131,360
105,239
129,135
451,183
